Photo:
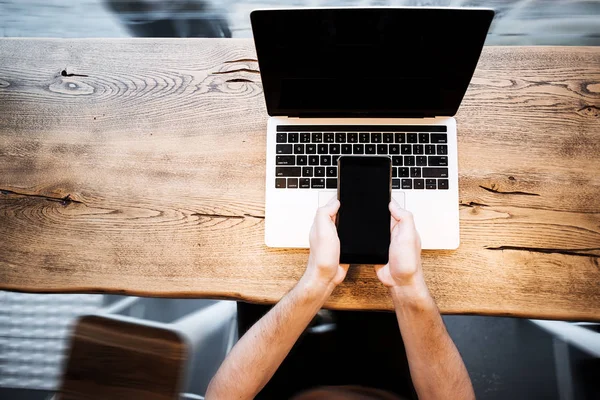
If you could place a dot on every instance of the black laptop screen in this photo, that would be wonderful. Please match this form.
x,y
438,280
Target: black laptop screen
x,y
368,62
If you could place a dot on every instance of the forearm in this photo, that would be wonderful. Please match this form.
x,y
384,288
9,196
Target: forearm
x,y
255,358
436,367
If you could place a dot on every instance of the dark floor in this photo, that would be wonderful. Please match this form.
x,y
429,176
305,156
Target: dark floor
x,y
507,358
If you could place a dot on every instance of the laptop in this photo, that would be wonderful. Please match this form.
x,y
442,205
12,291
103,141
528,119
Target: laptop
x,y
365,81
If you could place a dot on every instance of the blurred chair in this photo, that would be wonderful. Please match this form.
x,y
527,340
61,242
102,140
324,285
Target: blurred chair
x,y
175,18
120,357
34,332
584,336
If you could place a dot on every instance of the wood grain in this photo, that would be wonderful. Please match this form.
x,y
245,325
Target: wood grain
x,y
143,173
113,359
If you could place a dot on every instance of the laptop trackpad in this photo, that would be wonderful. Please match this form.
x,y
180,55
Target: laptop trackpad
x,y
326,195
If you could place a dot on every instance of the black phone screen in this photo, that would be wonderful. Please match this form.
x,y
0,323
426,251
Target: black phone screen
x,y
363,220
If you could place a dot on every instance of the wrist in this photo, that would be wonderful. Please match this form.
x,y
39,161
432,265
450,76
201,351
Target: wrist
x,y
414,291
315,284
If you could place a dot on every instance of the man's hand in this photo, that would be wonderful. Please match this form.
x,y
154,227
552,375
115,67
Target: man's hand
x,y
404,265
436,368
324,259
257,355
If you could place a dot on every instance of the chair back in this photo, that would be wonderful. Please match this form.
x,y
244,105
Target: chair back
x,y
116,359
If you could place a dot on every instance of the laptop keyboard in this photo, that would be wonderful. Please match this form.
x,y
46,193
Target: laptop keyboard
x,y
307,155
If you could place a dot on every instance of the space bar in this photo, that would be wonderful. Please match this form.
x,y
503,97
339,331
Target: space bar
x,y
435,172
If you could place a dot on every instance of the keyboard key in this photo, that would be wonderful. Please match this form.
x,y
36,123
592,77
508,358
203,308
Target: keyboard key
x,y
382,149
430,184
292,137
406,183
415,172
317,137
304,183
334,159
280,183
301,160
283,149
394,172
363,137
406,149
307,171
388,137
394,148
331,172
304,137
418,149
285,160
319,171
311,149
439,138
340,137
435,172
395,183
325,160
281,137
422,161
442,183
442,149
430,149
298,149
346,149
397,161
313,160
352,137
369,149
328,137
403,172
423,137
334,149
288,171
292,183
376,137
400,138
411,137
323,148
317,183
438,161
358,149
409,161
331,183
419,183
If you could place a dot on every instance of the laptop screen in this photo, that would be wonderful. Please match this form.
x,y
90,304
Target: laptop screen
x,y
376,62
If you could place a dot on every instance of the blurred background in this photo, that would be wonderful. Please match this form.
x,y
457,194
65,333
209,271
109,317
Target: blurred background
x,y
506,357
518,22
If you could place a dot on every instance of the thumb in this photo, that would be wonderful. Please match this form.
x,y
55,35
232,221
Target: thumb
x,y
383,274
332,207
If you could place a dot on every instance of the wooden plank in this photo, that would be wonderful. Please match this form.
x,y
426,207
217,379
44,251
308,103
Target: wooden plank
x,y
146,177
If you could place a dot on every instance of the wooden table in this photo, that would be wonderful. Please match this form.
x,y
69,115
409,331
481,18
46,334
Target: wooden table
x,y
137,167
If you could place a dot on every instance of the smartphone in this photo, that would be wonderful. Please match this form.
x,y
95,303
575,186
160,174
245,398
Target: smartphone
x,y
363,220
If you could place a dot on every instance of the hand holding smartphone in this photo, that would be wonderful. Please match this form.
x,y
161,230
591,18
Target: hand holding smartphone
x,y
363,220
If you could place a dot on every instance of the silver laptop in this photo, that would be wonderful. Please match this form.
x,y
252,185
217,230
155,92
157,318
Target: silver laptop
x,y
376,81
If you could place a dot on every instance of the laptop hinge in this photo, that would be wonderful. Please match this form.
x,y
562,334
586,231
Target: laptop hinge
x,y
358,115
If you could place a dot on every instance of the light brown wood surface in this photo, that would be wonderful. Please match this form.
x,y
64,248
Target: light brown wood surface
x,y
137,166
114,359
